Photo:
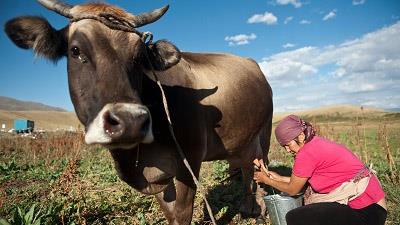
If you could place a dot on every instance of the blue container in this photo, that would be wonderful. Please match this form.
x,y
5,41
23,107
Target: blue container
x,y
23,125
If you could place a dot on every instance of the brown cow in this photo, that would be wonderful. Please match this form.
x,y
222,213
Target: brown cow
x,y
220,105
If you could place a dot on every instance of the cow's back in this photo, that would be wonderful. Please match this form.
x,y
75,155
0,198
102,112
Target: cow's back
x,y
241,94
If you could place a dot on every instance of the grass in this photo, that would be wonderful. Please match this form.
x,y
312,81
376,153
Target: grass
x,y
57,179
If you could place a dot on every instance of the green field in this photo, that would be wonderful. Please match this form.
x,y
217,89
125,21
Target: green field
x,y
57,179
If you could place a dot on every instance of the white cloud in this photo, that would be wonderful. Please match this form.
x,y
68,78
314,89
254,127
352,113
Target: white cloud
x,y
295,3
362,71
240,39
330,15
288,19
288,45
267,18
338,72
358,2
304,22
287,68
306,98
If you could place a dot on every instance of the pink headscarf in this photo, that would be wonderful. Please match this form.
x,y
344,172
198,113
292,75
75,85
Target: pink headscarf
x,y
290,127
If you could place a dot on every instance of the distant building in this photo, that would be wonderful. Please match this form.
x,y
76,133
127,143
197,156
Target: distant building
x,y
23,126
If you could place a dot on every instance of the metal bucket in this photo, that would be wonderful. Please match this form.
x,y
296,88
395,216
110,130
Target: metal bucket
x,y
280,204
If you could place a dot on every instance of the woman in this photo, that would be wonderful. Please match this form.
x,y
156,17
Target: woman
x,y
342,190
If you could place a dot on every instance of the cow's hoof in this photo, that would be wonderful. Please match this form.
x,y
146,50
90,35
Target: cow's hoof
x,y
249,206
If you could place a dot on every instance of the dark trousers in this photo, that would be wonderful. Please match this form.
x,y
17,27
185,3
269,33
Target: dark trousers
x,y
332,213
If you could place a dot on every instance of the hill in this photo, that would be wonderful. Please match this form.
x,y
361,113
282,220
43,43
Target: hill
x,y
48,120
51,120
338,113
11,104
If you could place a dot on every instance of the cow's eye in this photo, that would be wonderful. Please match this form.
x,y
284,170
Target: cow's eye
x,y
75,52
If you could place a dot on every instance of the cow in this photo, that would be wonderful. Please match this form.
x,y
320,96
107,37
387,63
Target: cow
x,y
220,105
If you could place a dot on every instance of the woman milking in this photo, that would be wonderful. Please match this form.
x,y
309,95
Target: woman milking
x,y
341,191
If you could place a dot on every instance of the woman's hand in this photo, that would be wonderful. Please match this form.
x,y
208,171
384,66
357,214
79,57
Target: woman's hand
x,y
267,177
259,163
274,176
261,177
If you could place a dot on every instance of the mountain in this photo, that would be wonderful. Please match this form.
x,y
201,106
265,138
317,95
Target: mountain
x,y
52,120
339,113
45,117
11,104
47,120
393,110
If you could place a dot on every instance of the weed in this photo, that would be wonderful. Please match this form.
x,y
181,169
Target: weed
x,y
68,182
20,217
220,170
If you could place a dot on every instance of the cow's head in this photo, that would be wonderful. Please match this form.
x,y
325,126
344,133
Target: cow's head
x,y
106,59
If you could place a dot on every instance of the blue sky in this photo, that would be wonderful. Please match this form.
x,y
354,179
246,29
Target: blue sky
x,y
314,53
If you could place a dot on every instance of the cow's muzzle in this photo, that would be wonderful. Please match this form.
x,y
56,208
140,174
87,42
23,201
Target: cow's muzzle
x,y
121,125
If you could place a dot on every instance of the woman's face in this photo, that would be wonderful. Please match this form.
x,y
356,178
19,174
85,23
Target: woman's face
x,y
294,146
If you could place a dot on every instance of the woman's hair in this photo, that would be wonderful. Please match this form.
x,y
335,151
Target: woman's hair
x,y
309,130
290,127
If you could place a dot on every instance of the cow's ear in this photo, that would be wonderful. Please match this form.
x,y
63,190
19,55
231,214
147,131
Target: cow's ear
x,y
164,55
36,33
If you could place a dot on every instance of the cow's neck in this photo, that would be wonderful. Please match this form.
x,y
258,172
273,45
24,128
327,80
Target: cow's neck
x,y
151,97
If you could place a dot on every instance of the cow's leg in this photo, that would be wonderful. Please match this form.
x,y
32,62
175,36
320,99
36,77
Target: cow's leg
x,y
184,204
166,199
253,203
177,199
185,187
177,203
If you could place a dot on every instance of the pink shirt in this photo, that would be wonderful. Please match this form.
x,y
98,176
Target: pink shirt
x,y
328,165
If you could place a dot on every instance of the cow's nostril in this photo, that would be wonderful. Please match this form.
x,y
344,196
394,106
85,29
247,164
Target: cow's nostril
x,y
111,119
112,124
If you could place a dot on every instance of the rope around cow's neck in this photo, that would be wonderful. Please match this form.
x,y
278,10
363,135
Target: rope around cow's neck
x,y
171,130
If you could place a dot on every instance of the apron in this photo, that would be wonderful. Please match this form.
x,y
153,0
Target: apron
x,y
343,194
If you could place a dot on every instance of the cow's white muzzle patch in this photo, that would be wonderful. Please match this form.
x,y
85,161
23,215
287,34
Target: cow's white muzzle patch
x,y
97,134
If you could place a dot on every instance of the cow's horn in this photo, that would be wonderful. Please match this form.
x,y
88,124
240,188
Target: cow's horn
x,y
58,7
150,17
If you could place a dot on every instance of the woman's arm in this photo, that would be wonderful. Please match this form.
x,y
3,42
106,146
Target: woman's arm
x,y
291,185
276,176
